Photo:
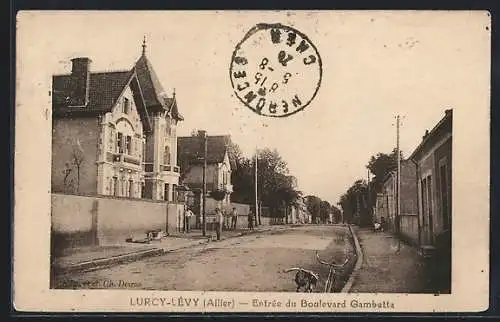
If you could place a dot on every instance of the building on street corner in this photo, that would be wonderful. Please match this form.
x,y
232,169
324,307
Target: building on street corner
x,y
114,132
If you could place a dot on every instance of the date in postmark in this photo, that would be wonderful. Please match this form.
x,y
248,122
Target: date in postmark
x,y
275,70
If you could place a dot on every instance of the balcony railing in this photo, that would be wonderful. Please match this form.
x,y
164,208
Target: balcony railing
x,y
123,158
169,168
147,167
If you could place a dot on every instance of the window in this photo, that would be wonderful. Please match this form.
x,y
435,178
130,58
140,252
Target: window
x,y
143,150
128,146
174,193
444,196
427,198
166,155
224,177
423,188
167,127
119,143
126,106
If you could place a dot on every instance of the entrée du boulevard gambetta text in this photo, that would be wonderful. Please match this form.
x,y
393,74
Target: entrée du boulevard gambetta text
x,y
229,303
275,70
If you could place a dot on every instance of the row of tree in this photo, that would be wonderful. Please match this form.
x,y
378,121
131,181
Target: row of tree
x,y
358,201
320,210
277,188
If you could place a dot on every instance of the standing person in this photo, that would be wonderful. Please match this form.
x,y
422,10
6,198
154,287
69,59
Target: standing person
x,y
188,214
219,221
250,220
234,218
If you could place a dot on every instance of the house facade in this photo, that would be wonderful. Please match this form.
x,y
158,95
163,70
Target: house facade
x,y
191,151
114,133
386,205
434,159
297,213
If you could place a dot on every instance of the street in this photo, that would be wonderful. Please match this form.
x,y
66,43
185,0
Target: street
x,y
253,262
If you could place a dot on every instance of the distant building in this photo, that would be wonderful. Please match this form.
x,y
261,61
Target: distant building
x,y
114,132
219,164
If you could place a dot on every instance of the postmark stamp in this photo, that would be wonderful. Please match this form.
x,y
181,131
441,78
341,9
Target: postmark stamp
x,y
275,70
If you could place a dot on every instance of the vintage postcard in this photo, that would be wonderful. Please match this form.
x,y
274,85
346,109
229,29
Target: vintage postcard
x,y
252,161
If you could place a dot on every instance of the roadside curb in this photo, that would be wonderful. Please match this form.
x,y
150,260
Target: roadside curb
x,y
357,266
110,261
135,256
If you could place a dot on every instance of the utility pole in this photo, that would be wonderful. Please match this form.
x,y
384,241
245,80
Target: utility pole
x,y
398,185
256,190
369,198
203,135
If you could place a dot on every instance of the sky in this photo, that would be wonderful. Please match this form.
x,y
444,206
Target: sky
x,y
376,65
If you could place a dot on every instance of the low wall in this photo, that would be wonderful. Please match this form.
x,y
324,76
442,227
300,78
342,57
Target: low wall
x,y
74,221
409,228
96,220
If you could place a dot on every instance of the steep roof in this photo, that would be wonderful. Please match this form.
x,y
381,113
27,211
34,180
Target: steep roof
x,y
442,127
106,87
171,105
190,149
152,90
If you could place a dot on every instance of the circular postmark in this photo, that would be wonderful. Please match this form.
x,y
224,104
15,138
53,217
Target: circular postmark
x,y
275,70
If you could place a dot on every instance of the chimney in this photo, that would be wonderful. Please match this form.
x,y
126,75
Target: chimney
x,y
426,134
79,83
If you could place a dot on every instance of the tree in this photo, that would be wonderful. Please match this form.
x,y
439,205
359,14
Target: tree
x,y
337,213
313,205
355,205
325,210
380,165
77,158
276,188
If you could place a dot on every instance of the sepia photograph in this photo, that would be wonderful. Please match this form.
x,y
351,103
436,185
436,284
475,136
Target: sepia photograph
x,y
261,153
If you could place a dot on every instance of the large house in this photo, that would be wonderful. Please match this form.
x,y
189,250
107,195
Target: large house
x,y
114,132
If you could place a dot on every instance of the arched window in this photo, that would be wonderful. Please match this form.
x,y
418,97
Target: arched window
x,y
166,155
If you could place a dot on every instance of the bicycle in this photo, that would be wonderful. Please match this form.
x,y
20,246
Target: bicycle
x,y
332,272
308,279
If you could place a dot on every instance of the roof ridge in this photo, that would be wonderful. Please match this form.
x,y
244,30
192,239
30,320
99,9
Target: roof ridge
x,y
98,72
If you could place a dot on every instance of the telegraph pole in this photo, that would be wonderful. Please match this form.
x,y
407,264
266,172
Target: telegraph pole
x,y
256,190
204,197
398,184
369,198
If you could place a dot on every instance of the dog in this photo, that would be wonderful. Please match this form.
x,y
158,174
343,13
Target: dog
x,y
378,227
304,278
